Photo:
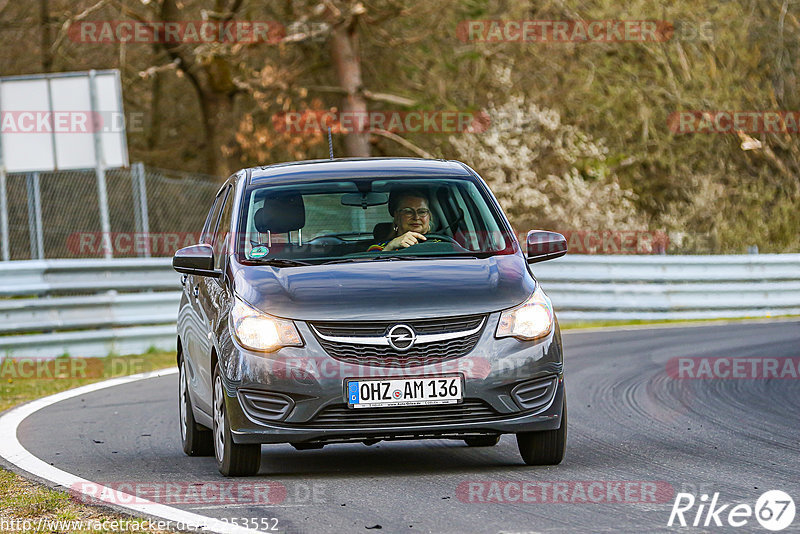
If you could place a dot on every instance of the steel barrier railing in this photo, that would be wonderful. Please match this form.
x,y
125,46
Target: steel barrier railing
x,y
123,306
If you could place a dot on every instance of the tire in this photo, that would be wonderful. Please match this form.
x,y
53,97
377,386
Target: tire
x,y
482,441
233,460
196,439
545,447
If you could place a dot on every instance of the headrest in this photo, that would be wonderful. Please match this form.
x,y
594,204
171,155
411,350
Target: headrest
x,y
281,214
381,231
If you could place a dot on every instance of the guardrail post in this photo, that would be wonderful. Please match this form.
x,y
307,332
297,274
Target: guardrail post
x,y
35,217
4,214
3,206
102,201
140,204
3,203
100,170
137,217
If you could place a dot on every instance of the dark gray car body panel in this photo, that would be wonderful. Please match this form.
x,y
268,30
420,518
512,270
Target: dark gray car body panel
x,y
386,290
374,291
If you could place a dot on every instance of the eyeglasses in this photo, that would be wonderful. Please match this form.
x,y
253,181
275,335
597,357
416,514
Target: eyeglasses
x,y
410,212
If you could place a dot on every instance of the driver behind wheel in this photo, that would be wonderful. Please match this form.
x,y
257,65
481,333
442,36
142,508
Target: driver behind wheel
x,y
412,220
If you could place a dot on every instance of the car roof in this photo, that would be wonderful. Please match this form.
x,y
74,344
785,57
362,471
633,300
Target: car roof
x,y
336,169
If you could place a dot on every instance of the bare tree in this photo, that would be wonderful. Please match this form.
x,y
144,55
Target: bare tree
x,y
347,64
46,35
212,80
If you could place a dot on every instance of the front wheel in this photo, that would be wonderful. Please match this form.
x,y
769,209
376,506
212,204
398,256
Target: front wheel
x,y
195,439
545,447
233,460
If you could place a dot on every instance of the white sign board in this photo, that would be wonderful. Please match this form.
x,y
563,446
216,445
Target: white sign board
x,y
61,121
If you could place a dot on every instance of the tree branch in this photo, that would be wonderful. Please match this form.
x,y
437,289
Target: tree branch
x,y
388,98
222,15
153,70
62,33
765,152
369,95
168,12
237,4
408,145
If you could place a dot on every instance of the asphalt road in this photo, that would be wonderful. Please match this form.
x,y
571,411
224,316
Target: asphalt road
x,y
631,422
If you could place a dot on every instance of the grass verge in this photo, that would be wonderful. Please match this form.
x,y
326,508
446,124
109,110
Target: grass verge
x,y
23,380
577,325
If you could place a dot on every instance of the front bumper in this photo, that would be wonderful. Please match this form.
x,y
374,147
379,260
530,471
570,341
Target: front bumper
x,y
313,383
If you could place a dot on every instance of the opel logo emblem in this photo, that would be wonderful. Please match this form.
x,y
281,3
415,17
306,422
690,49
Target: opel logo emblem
x,y
401,337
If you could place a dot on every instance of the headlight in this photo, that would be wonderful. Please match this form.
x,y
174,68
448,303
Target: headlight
x,y
530,320
261,332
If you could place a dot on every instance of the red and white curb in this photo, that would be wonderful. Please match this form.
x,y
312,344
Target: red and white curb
x,y
13,452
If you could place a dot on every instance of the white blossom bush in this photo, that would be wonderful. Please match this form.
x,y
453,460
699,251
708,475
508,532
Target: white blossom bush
x,y
546,173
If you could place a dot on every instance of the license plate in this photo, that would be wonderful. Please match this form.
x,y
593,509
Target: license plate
x,y
404,391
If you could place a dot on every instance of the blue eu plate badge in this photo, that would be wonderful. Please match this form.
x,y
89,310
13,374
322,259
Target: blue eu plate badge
x,y
352,392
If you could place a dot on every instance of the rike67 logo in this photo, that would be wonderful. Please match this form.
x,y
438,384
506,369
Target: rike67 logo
x,y
774,510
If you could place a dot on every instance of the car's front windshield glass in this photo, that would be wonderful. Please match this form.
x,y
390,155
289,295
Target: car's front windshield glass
x,y
370,219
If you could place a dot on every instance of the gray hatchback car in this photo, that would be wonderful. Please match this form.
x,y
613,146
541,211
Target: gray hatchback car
x,y
360,300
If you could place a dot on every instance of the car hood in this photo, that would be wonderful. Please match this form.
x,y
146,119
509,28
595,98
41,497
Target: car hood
x,y
386,290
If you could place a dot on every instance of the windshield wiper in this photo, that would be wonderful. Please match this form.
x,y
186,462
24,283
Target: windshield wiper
x,y
345,260
360,259
282,262
393,257
398,257
430,257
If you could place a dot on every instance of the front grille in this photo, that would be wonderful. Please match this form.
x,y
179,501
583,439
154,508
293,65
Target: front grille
x,y
421,326
386,356
264,406
340,416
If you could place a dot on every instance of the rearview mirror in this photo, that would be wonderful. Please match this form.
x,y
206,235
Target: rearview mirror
x,y
543,245
365,200
197,260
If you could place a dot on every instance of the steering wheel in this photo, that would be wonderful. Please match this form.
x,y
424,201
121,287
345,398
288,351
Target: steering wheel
x,y
457,247
443,237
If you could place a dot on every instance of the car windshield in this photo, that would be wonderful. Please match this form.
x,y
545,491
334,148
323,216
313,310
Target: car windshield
x,y
370,219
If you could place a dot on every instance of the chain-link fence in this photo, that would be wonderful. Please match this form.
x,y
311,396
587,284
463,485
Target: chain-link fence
x,y
152,212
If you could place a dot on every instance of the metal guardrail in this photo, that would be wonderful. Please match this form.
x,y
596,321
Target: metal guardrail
x,y
592,288
51,277
87,307
125,306
85,312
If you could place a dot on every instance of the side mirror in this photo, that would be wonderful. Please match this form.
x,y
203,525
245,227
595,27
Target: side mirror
x,y
197,260
544,245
